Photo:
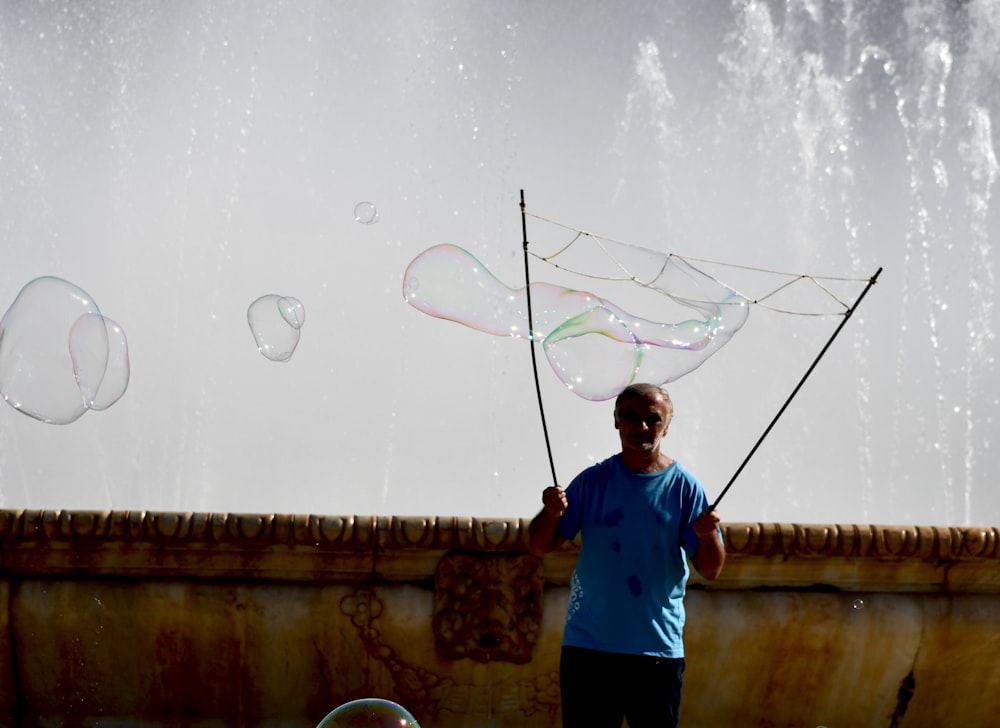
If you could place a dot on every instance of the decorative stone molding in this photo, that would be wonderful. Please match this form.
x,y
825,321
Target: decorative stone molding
x,y
883,542
898,558
467,534
300,547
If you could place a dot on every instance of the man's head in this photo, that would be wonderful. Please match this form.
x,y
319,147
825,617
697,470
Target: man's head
x,y
642,416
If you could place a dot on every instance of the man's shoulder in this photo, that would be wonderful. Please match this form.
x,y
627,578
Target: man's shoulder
x,y
684,479
605,466
600,471
681,471
687,475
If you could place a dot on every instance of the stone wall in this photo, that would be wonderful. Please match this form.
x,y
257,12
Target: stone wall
x,y
142,619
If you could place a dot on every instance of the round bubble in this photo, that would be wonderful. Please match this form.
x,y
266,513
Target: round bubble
x,y
275,322
369,713
366,213
59,356
858,604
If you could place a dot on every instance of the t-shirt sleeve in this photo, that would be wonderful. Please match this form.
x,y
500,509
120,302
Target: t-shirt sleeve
x,y
572,518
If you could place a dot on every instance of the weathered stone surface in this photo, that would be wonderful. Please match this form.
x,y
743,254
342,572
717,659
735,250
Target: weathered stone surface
x,y
187,619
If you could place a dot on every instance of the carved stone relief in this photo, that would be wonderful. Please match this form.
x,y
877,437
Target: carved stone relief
x,y
488,607
425,692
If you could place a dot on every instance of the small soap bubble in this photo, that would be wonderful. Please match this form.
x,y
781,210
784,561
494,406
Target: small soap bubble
x,y
366,213
275,322
59,356
116,376
99,351
858,604
292,310
88,349
369,713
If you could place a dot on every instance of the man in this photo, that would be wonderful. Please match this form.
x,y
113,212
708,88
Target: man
x,y
641,515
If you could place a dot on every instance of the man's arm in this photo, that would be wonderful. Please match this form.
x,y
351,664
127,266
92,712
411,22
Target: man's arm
x,y
711,554
543,531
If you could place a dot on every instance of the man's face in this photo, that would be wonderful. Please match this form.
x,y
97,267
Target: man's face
x,y
641,422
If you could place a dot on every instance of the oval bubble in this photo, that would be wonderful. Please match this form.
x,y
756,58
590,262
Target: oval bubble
x,y
292,310
369,713
276,337
99,350
88,351
366,213
37,371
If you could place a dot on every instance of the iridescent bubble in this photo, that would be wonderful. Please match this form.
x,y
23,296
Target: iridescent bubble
x,y
275,322
595,347
366,213
59,356
369,713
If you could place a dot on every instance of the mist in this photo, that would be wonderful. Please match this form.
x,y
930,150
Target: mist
x,y
177,161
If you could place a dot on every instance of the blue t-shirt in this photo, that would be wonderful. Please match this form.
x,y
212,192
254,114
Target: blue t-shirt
x,y
627,591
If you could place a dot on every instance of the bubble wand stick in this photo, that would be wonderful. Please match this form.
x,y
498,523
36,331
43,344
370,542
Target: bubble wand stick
x,y
531,341
847,315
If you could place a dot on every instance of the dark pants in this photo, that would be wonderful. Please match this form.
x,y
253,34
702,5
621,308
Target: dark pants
x,y
599,689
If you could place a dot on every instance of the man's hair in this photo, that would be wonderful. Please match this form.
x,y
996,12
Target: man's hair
x,y
644,389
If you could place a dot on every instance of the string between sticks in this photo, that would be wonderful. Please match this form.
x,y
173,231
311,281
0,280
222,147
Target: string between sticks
x,y
871,282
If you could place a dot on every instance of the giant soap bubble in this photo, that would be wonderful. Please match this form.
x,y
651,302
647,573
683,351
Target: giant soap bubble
x,y
59,356
594,346
369,713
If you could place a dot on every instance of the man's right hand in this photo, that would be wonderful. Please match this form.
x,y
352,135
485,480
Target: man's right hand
x,y
543,531
554,500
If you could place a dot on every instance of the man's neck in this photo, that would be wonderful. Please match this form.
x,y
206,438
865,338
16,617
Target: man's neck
x,y
641,462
